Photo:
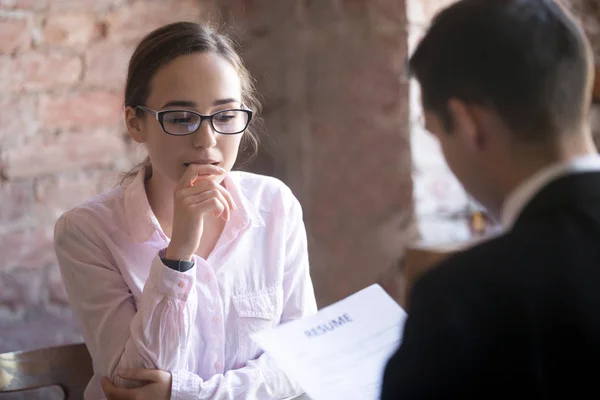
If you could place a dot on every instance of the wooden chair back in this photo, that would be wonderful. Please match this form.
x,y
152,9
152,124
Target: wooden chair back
x,y
69,367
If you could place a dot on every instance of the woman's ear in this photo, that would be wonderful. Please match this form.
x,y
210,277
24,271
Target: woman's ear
x,y
134,125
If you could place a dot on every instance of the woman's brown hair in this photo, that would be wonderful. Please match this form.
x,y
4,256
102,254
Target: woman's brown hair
x,y
165,44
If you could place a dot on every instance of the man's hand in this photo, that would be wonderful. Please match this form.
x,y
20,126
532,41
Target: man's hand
x,y
157,385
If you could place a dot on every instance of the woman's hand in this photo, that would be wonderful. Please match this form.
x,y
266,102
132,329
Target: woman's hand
x,y
196,195
157,387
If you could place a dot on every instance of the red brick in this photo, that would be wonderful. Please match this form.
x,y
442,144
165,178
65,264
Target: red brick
x,y
106,65
393,9
56,287
42,71
16,32
256,20
55,195
71,151
132,22
108,179
16,199
81,110
26,249
388,20
71,29
21,288
7,71
24,4
18,118
355,8
95,5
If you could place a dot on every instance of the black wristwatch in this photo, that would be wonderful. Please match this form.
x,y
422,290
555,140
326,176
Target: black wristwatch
x,y
178,265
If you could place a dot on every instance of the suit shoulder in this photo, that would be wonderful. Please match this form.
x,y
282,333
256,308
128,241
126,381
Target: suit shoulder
x,y
487,268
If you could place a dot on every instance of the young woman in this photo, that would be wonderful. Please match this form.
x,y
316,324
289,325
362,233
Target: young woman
x,y
170,273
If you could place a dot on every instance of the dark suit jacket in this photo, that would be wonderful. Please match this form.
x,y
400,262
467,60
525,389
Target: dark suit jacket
x,y
515,317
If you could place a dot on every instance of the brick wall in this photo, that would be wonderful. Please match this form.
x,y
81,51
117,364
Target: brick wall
x,y
62,140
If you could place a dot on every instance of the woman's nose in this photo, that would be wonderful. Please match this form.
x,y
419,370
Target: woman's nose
x,y
205,136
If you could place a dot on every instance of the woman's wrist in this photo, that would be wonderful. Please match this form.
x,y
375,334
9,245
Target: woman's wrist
x,y
174,253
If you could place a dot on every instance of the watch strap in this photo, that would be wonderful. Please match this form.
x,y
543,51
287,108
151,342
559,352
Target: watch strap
x,y
178,265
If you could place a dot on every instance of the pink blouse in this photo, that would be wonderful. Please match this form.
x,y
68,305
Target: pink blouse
x,y
137,313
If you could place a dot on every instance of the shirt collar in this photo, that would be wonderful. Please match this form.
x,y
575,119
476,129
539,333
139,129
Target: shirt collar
x,y
524,193
143,223
141,220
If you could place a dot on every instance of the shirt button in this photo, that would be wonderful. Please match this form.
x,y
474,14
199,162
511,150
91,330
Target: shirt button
x,y
217,319
181,284
218,365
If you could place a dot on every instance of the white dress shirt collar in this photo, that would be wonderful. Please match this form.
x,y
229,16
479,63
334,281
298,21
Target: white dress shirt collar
x,y
524,193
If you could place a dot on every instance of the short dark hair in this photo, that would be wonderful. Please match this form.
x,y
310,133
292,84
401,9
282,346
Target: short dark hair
x,y
527,59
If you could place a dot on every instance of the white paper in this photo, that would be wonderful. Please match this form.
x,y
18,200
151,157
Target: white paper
x,y
341,352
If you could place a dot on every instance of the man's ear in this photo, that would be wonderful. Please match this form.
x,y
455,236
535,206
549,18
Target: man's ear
x,y
466,123
134,125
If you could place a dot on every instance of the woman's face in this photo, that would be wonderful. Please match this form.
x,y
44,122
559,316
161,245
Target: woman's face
x,y
202,82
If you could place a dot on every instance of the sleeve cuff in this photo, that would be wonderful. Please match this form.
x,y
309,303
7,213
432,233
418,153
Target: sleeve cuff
x,y
185,385
170,282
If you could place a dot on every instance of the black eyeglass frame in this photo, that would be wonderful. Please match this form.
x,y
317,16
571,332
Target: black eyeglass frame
x,y
159,115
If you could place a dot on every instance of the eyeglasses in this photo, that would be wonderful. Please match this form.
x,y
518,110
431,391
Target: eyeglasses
x,y
186,122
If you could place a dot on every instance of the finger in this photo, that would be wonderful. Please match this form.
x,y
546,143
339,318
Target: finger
x,y
207,195
208,171
115,393
200,187
106,385
225,211
228,197
213,204
140,374
220,208
189,176
195,171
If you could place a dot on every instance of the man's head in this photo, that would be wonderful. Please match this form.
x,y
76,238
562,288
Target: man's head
x,y
498,77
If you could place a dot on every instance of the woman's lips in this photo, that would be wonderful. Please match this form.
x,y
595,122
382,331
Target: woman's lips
x,y
202,162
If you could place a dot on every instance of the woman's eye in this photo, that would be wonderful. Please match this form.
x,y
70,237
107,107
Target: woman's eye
x,y
225,118
181,120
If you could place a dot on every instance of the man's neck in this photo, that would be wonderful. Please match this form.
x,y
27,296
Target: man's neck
x,y
530,159
527,161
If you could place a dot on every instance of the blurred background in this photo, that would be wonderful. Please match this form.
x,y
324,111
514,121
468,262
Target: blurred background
x,y
342,128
